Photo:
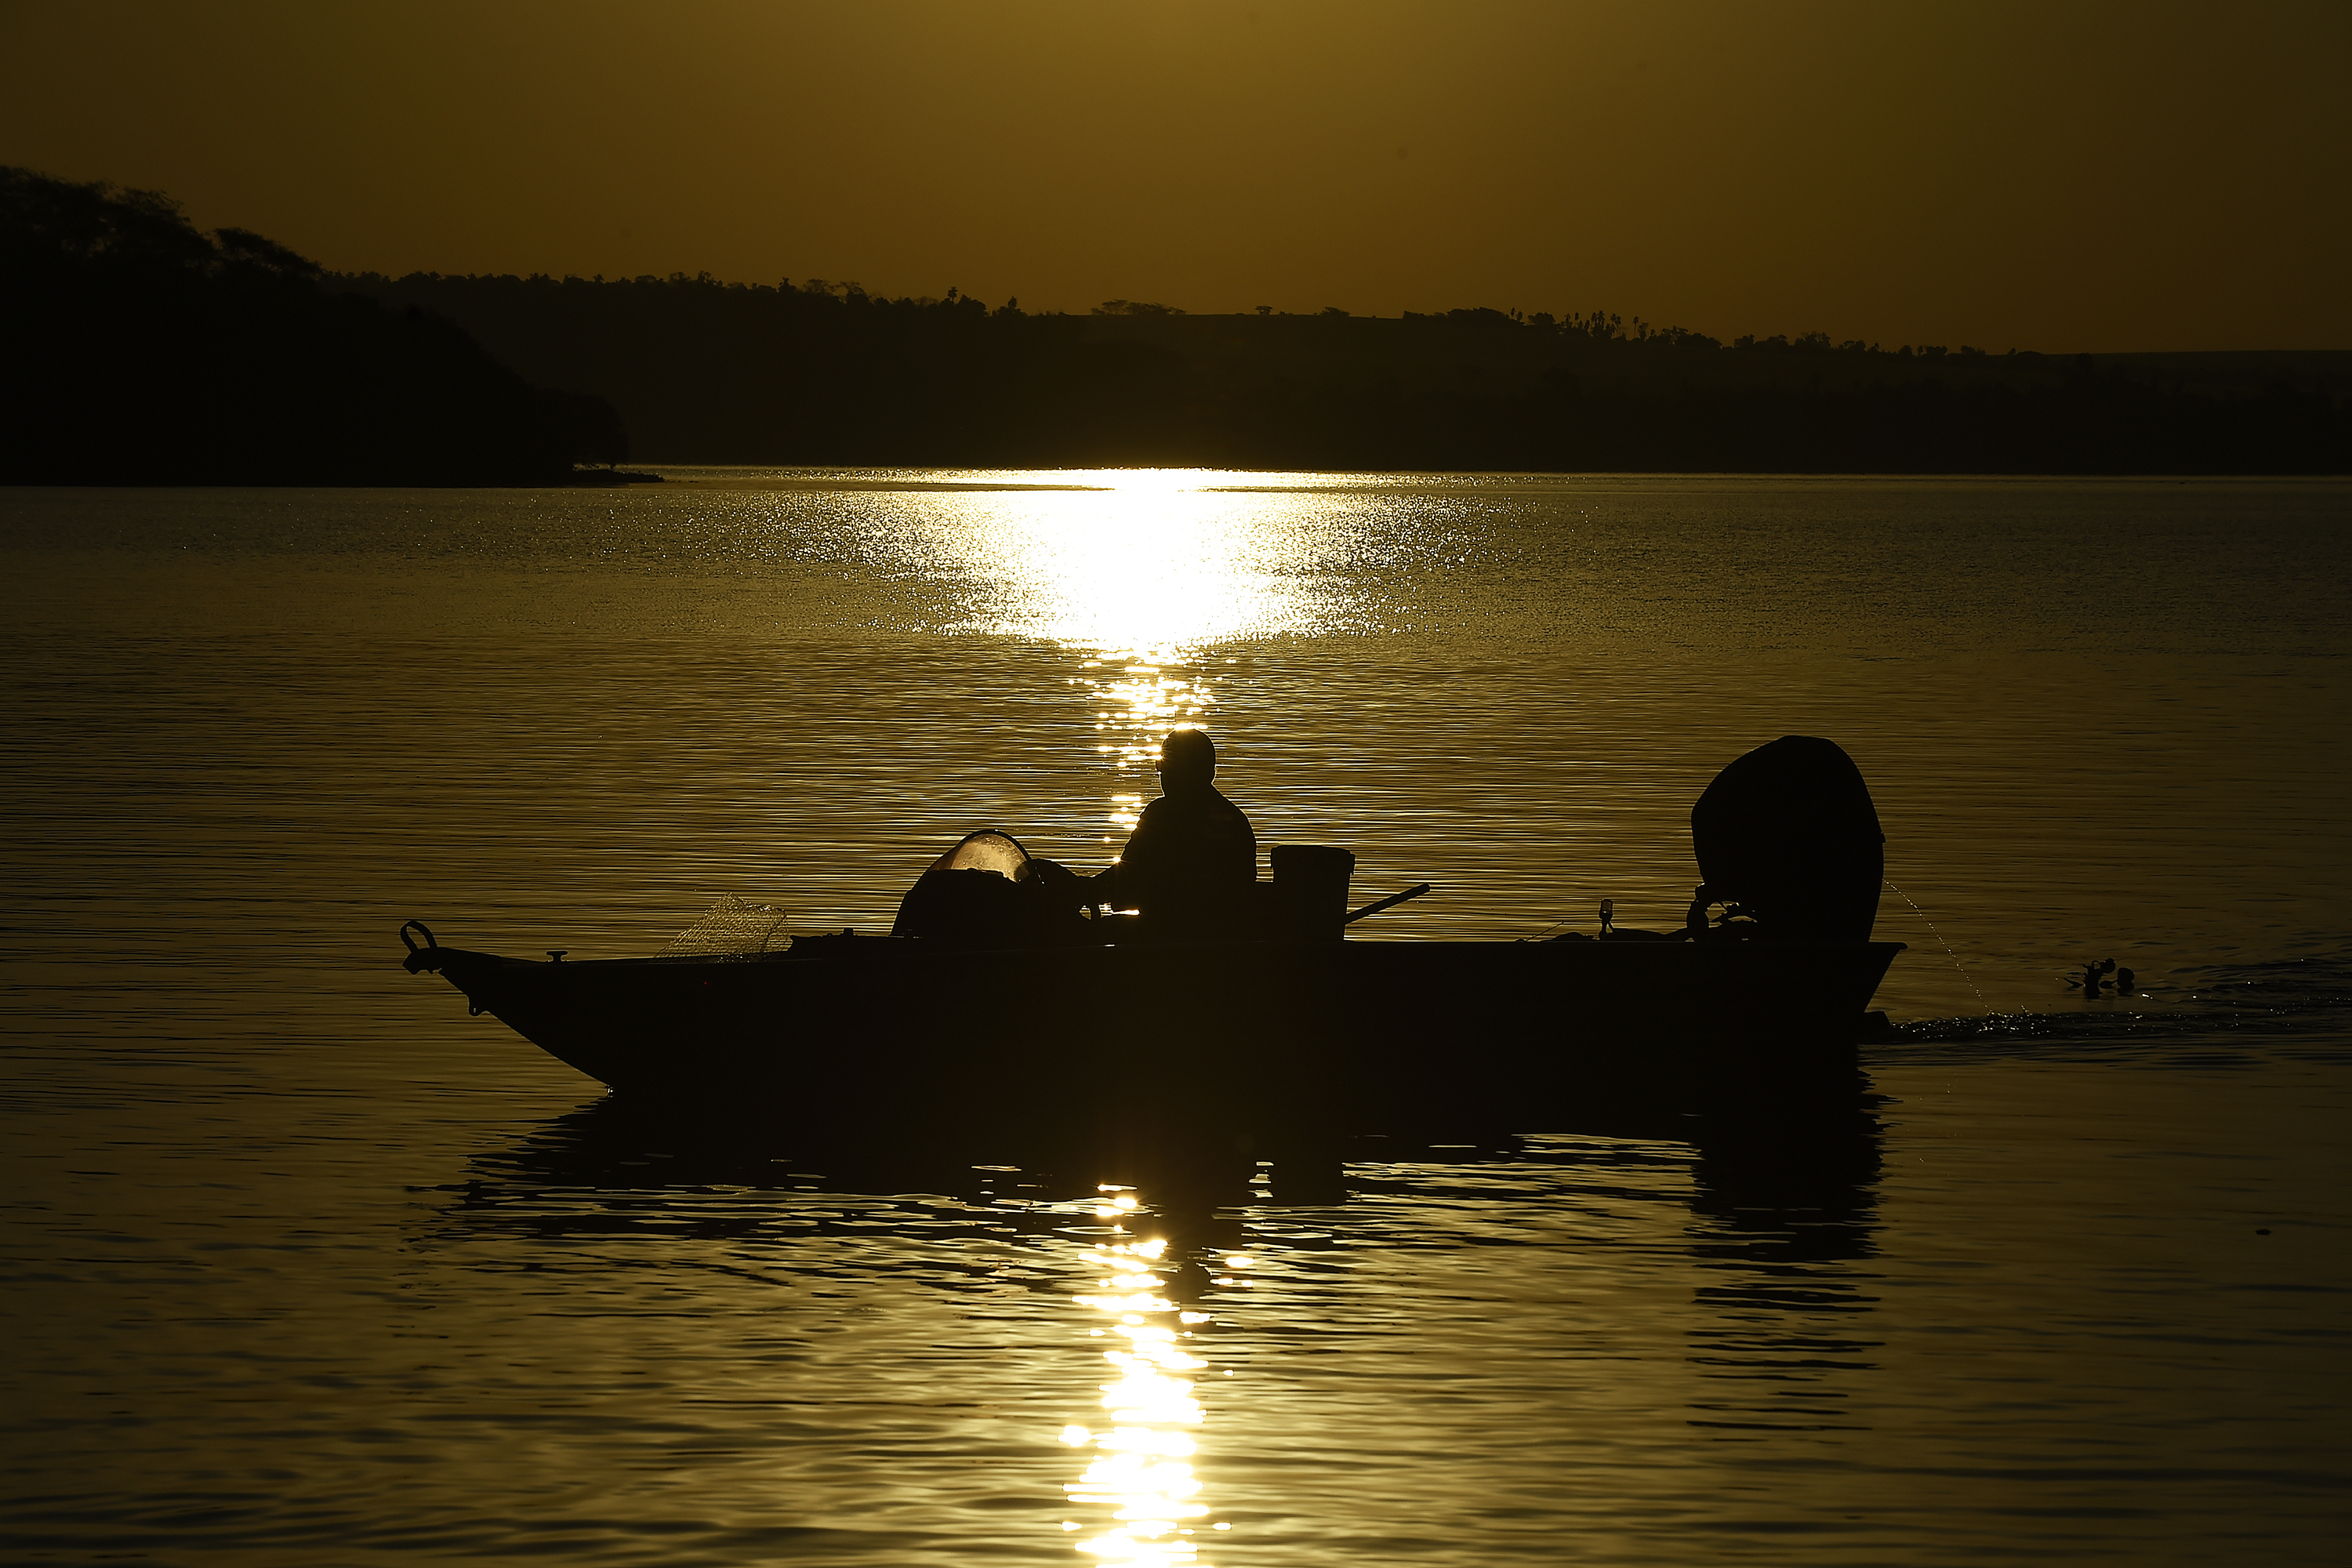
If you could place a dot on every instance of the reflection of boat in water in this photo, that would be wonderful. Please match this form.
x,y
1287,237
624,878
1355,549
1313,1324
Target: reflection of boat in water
x,y
1704,1263
1295,1027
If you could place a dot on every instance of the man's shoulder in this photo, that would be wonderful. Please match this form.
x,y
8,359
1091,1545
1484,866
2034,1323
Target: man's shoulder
x,y
1227,818
1209,810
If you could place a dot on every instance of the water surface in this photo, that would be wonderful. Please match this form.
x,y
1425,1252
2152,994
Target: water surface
x,y
304,1265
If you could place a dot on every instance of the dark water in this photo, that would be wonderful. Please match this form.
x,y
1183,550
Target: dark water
x,y
305,1265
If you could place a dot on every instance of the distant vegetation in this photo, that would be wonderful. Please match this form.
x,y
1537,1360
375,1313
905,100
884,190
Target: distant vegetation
x,y
824,373
141,351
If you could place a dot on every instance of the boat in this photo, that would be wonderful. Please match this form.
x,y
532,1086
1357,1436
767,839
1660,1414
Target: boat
x,y
973,1011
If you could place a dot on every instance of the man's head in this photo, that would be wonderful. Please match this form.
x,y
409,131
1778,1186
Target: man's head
x,y
1187,760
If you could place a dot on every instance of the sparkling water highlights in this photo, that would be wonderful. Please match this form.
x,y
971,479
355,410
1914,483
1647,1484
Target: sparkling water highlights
x,y
1139,1472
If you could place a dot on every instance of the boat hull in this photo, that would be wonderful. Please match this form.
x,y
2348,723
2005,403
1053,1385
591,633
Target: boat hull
x,y
1367,1036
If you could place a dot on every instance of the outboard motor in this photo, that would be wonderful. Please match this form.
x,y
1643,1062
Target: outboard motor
x,y
1788,833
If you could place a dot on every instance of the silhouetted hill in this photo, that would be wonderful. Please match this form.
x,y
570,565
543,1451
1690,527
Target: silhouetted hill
x,y
825,373
140,351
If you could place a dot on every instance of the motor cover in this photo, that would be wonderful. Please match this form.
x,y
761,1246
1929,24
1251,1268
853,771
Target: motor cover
x,y
1789,833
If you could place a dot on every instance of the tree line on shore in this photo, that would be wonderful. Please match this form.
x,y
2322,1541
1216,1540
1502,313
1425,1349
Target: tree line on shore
x,y
823,373
142,349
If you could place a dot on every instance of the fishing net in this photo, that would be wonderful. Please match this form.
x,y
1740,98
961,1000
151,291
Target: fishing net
x,y
733,926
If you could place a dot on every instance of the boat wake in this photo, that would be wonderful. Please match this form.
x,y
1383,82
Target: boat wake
x,y
2317,1030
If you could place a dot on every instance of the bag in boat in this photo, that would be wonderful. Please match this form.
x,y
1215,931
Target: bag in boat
x,y
988,891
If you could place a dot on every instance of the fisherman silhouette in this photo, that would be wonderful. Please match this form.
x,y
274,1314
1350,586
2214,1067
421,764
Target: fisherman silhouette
x,y
1193,858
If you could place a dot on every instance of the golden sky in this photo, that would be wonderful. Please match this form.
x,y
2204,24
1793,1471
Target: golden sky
x,y
2051,176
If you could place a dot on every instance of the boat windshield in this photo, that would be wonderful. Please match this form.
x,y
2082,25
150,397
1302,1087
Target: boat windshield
x,y
987,850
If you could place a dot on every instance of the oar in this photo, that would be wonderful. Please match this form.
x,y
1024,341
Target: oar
x,y
1391,902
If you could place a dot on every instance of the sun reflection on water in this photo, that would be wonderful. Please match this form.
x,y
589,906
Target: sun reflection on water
x,y
1137,699
1139,1473
1143,578
1152,566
